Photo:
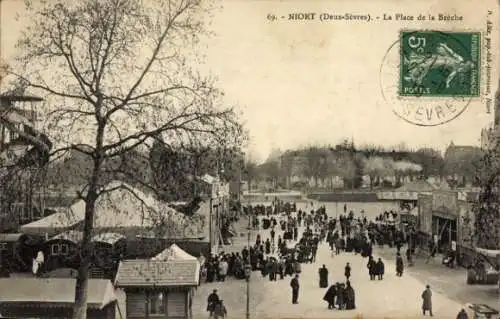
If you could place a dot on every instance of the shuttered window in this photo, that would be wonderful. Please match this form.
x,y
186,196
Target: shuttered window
x,y
136,305
176,304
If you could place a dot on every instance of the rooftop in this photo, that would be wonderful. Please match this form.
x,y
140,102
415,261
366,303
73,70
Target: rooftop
x,y
54,290
417,186
149,273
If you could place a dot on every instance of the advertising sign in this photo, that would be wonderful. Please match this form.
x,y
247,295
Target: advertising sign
x,y
425,213
447,199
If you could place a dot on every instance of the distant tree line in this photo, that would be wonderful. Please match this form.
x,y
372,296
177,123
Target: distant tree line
x,y
350,163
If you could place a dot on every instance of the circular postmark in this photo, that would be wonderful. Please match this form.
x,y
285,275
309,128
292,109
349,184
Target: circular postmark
x,y
428,78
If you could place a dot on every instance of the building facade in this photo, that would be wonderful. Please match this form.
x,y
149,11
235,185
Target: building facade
x,y
22,162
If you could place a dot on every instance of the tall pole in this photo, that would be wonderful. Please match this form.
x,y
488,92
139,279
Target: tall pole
x,y
248,278
248,261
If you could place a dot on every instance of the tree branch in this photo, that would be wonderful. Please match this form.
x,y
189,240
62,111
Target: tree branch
x,y
152,59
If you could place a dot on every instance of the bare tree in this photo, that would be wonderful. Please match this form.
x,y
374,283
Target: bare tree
x,y
117,74
272,171
374,167
347,169
251,172
4,69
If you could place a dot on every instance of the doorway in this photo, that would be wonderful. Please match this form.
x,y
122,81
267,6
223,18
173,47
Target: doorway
x,y
446,230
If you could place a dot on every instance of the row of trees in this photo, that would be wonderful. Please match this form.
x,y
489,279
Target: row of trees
x,y
345,160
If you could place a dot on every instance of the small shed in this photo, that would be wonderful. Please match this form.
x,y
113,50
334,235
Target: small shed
x,y
160,288
53,298
63,250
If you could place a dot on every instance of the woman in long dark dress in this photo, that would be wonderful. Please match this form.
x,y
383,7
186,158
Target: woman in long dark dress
x,y
323,277
268,246
350,302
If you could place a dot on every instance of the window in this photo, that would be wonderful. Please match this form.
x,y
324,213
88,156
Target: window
x,y
64,249
59,249
156,304
13,134
55,249
3,247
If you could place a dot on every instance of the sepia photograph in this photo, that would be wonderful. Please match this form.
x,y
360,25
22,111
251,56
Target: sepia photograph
x,y
247,159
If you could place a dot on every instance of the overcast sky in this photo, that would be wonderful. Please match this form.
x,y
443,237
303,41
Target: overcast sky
x,y
310,82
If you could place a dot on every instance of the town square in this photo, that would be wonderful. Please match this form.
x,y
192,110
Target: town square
x,y
185,159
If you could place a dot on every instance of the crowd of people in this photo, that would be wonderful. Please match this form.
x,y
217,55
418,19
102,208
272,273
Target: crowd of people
x,y
282,253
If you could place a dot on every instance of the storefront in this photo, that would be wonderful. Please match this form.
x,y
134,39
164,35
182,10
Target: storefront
x,y
438,220
162,287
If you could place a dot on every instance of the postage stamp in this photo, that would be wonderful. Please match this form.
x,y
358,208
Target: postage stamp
x,y
429,77
440,64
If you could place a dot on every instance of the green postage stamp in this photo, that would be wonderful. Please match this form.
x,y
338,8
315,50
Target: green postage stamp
x,y
439,64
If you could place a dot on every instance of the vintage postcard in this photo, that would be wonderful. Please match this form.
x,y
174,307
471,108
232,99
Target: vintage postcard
x,y
249,159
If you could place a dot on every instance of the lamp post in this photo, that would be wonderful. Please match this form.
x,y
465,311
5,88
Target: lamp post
x,y
248,267
248,270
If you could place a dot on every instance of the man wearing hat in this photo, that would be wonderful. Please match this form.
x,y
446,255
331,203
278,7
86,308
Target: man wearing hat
x,y
427,300
294,283
213,299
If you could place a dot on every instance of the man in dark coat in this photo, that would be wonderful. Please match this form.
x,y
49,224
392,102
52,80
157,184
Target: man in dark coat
x,y
340,296
427,300
323,277
294,283
212,300
347,271
281,268
380,269
245,253
330,296
265,268
350,302
371,268
399,265
338,245
462,314
268,246
275,269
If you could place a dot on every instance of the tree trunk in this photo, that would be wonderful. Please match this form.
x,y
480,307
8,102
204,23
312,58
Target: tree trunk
x,y
81,289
